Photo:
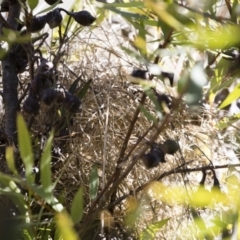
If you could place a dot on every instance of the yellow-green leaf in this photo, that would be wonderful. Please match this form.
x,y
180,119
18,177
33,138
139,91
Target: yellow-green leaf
x,y
25,147
77,206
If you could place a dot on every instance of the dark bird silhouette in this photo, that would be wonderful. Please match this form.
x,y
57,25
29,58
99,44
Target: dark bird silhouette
x,y
139,73
51,2
154,157
36,24
54,18
82,17
164,99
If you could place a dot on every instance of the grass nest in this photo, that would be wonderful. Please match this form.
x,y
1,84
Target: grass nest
x,y
96,135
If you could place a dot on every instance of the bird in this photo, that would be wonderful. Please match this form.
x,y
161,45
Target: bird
x,y
139,73
52,2
154,157
54,18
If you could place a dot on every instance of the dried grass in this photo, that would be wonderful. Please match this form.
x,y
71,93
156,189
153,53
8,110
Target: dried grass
x,y
101,126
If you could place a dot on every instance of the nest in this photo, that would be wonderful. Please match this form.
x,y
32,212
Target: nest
x,y
98,131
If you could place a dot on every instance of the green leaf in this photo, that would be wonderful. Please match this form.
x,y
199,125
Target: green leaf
x,y
234,95
65,227
154,100
84,89
10,159
227,121
192,85
45,166
49,8
147,114
133,4
77,206
94,181
150,232
32,4
25,148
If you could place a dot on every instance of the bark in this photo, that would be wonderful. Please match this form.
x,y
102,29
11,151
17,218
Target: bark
x,y
10,78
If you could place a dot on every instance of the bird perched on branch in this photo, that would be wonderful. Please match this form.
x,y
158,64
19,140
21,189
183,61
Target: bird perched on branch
x,y
52,2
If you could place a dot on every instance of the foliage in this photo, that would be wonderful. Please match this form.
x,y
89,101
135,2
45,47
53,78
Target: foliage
x,y
204,45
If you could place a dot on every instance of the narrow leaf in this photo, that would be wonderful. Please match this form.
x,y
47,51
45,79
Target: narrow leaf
x,y
147,114
73,87
235,94
25,147
84,90
150,232
65,227
77,206
94,181
10,159
45,166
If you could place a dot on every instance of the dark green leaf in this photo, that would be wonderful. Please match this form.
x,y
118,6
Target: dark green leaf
x,y
25,147
77,206
74,85
84,89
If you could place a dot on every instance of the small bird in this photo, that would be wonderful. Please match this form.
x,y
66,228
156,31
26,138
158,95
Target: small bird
x,y
52,2
164,99
139,73
82,17
154,157
54,18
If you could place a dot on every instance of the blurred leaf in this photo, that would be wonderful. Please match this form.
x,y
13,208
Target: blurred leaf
x,y
130,5
48,8
134,211
94,182
141,44
127,15
10,159
65,226
45,166
234,95
77,206
160,9
32,4
192,85
150,232
154,100
25,148
227,121
221,37
84,89
147,114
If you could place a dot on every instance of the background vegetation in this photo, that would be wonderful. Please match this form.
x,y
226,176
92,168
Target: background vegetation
x,y
122,123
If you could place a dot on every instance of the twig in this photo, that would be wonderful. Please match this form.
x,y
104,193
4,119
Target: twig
x,y
173,171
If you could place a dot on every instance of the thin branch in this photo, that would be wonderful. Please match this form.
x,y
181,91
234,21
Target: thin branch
x,y
173,171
